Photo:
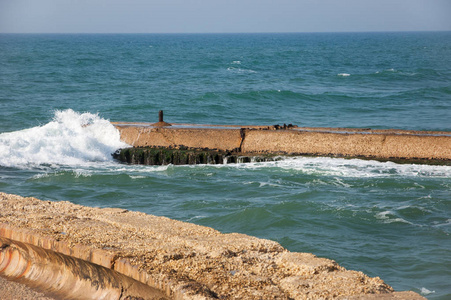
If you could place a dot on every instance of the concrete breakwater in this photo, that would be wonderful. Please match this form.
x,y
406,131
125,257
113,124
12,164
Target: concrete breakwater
x,y
398,145
76,252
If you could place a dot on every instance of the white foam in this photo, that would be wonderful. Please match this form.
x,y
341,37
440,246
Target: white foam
x,y
70,139
339,182
425,291
445,223
344,74
271,184
137,176
397,72
240,71
388,217
350,168
195,218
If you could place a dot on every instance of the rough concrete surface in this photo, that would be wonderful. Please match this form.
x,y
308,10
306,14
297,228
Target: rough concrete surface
x,y
10,290
347,142
183,260
172,136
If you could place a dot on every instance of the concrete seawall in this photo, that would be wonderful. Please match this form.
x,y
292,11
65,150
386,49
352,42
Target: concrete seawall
x,y
424,146
76,252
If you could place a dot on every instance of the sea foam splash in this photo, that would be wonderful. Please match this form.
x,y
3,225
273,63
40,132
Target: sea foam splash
x,y
352,168
70,139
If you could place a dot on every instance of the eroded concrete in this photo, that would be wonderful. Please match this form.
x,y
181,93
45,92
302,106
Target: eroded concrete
x,y
343,142
184,260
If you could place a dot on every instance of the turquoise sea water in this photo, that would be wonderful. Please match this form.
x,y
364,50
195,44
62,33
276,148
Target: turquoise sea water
x,y
385,219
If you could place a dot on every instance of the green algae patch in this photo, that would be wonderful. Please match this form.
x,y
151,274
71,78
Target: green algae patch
x,y
185,156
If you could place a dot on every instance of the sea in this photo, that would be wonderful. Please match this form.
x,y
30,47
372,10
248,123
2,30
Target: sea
x,y
385,219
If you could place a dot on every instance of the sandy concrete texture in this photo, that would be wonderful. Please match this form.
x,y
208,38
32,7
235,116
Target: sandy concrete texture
x,y
190,137
347,142
183,260
378,145
10,290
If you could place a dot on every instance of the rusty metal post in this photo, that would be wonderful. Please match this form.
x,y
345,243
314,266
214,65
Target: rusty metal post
x,y
160,122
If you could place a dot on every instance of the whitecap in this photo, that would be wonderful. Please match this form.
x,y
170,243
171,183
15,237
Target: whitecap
x,y
262,184
445,223
339,182
70,139
137,176
388,217
344,74
425,291
40,175
139,169
240,71
82,173
195,218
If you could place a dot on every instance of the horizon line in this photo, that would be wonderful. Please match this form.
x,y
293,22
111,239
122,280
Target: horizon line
x,y
247,32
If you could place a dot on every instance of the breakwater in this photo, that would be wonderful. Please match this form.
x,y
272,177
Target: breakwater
x,y
249,141
95,248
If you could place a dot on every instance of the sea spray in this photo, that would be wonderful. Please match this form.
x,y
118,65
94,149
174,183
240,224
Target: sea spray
x,y
71,138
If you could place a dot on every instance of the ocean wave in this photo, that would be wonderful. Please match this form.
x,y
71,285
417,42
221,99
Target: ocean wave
x,y
388,217
344,74
275,95
137,176
270,184
240,70
70,139
424,291
350,168
444,223
397,72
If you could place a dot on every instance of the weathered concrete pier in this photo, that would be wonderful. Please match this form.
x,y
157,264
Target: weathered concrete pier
x,y
432,147
70,251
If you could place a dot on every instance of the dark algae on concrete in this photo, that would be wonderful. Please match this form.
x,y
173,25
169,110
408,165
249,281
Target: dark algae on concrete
x,y
185,156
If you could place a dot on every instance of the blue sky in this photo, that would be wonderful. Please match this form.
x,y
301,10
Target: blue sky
x,y
199,16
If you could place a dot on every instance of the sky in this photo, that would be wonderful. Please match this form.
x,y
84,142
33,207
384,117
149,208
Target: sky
x,y
222,16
